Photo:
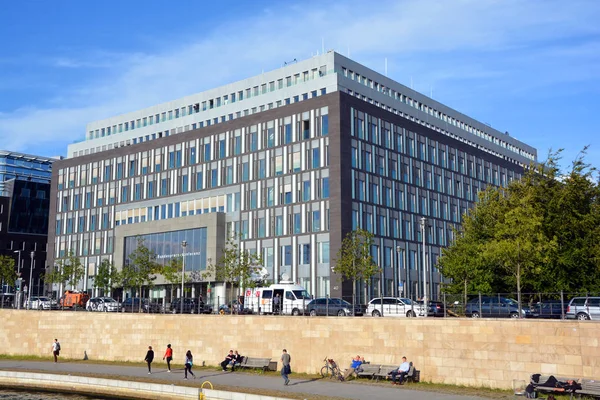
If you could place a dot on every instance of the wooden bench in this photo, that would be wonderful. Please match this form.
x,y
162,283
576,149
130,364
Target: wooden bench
x,y
384,371
550,389
368,370
255,362
589,387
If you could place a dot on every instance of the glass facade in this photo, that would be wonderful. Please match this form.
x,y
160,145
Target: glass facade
x,y
30,205
167,245
400,176
23,167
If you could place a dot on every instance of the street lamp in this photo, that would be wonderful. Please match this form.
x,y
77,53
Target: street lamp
x,y
30,277
19,263
423,225
183,245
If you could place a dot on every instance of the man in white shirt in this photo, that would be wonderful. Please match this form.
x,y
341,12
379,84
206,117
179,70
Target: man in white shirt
x,y
401,372
56,350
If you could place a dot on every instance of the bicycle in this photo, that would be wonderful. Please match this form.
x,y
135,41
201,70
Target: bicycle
x,y
330,369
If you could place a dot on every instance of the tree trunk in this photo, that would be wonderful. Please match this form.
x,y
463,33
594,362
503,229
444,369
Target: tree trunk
x,y
465,295
353,293
519,288
231,300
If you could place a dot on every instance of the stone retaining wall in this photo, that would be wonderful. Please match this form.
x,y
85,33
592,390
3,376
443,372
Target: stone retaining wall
x,y
473,352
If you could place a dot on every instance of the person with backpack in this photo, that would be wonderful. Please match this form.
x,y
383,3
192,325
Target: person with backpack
x,y
189,362
56,350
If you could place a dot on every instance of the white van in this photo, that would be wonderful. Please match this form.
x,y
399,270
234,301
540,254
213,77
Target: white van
x,y
293,299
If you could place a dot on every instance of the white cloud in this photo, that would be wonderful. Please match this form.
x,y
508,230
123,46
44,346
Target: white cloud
x,y
437,42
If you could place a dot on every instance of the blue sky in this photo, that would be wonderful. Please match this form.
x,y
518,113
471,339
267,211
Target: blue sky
x,y
531,68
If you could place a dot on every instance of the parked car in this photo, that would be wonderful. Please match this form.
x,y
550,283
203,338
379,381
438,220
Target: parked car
x,y
190,307
395,307
8,299
551,309
584,308
42,303
226,308
132,304
495,307
332,306
434,308
102,304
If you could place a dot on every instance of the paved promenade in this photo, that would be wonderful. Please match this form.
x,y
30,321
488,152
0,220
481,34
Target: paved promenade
x,y
239,380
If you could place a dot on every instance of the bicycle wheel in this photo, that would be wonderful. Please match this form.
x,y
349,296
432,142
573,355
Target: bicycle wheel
x,y
337,374
326,372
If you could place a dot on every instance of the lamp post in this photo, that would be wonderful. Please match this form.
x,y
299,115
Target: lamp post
x,y
398,272
19,262
183,245
423,225
30,278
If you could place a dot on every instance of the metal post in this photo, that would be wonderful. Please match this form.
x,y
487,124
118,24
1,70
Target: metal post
x,y
562,305
183,245
30,276
19,261
398,249
445,305
423,224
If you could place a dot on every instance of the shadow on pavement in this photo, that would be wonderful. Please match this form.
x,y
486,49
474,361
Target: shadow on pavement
x,y
306,381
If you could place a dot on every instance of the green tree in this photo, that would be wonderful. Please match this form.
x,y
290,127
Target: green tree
x,y
354,261
8,275
142,268
172,273
71,270
463,262
539,234
235,265
519,245
52,276
572,217
106,276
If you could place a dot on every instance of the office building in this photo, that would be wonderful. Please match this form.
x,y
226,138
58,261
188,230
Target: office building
x,y
291,159
24,213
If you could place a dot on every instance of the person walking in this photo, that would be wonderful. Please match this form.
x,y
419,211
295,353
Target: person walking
x,y
276,304
189,362
286,369
56,350
149,358
168,356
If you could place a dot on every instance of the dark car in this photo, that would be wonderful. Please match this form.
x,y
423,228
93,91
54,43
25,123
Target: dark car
x,y
435,309
495,307
227,309
190,306
332,306
549,309
132,304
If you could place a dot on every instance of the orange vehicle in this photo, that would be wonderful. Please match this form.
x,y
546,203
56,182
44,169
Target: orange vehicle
x,y
73,298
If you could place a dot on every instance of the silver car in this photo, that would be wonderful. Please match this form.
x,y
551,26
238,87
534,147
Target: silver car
x,y
102,304
584,308
395,307
42,303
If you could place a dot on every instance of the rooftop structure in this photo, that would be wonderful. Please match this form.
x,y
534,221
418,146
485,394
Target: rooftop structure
x,y
293,83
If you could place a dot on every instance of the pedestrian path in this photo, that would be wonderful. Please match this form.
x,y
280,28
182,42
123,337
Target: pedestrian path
x,y
239,380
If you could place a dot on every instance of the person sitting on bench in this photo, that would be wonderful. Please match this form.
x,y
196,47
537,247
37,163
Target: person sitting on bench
x,y
228,360
356,363
400,372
